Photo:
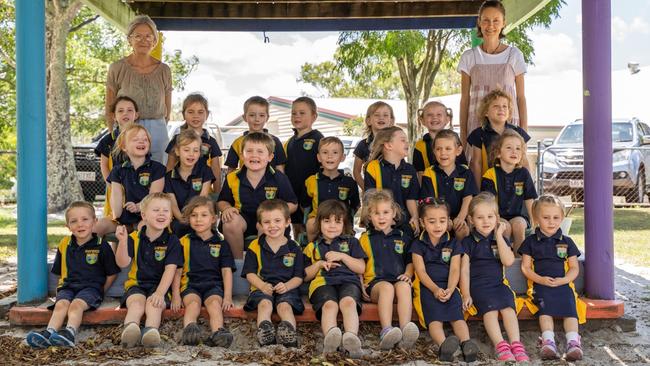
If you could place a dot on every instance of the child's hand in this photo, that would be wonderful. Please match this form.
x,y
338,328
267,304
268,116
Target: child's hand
x,y
459,224
364,293
448,293
415,225
121,233
549,281
440,294
280,288
157,300
267,289
227,304
404,278
501,228
467,302
329,265
131,207
333,256
177,303
229,214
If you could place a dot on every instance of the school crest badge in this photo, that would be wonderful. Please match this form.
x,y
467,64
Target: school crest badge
x,y
308,144
215,249
288,260
197,184
343,193
562,250
459,184
399,246
159,253
92,256
344,247
495,251
446,255
270,192
144,179
406,181
519,188
205,149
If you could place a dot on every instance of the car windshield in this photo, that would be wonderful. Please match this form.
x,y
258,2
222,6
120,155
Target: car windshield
x,y
621,132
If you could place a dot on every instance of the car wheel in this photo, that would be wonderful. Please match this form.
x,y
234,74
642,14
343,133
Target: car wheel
x,y
638,193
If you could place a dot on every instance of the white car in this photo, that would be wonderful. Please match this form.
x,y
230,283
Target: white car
x,y
349,144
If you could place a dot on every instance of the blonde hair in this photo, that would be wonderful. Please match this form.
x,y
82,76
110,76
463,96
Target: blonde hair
x,y
432,104
372,198
371,110
486,198
261,138
495,149
146,201
120,142
187,137
79,204
143,19
491,97
548,200
199,201
382,137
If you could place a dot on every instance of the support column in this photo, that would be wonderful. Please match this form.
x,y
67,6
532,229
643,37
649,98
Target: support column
x,y
31,161
597,115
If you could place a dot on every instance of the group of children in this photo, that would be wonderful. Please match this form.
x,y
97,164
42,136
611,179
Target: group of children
x,y
432,242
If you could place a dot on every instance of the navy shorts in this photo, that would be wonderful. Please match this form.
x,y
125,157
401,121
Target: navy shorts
x,y
335,293
90,295
291,297
298,217
143,290
204,291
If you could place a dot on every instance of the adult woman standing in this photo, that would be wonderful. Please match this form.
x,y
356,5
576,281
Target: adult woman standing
x,y
146,80
489,66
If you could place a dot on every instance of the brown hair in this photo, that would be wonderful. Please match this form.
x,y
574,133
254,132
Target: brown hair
x,y
435,103
382,137
483,198
371,198
198,201
331,140
447,134
491,97
120,142
256,100
490,4
547,199
307,100
431,202
186,137
191,99
122,98
79,204
154,196
259,137
272,205
508,133
337,209
372,109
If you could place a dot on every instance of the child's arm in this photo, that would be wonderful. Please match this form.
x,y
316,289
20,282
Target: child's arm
x,y
171,160
312,270
158,297
356,265
459,221
527,271
571,274
122,257
421,272
505,252
412,207
205,188
464,282
284,287
157,186
356,172
257,282
226,274
529,209
176,290
454,273
109,281
292,207
117,198
215,164
476,165
178,215
103,166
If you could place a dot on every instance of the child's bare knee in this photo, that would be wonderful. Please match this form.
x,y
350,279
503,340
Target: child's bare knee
x,y
77,305
330,306
284,307
347,302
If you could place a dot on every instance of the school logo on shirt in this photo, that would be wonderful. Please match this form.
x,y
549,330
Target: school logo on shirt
x,y
308,144
197,184
399,246
446,255
215,249
288,259
562,250
406,181
344,247
495,251
519,188
92,256
459,184
159,253
270,192
343,193
144,179
205,149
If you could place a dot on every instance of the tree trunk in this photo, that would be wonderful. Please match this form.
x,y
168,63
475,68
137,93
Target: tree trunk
x,y
62,184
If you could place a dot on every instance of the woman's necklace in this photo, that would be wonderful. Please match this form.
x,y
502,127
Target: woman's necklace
x,y
484,48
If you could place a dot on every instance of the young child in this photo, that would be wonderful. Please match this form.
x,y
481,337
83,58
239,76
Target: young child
x,y
497,109
256,114
435,117
206,276
336,261
511,184
483,285
125,111
436,259
378,116
195,113
274,267
389,270
550,263
86,266
449,181
153,255
132,180
189,178
301,150
387,169
247,187
329,183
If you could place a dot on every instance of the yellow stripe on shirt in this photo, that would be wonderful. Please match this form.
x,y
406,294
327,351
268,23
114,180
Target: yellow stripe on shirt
x,y
63,250
370,272
133,271
374,169
185,279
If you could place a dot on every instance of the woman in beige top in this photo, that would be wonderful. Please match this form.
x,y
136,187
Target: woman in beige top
x,y
146,80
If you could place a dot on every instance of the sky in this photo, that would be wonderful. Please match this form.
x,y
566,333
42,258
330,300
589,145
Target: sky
x,y
236,65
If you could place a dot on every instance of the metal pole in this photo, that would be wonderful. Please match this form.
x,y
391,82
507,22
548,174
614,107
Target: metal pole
x,y
597,111
31,160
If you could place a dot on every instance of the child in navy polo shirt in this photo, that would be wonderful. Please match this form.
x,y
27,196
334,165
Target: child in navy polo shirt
x,y
206,276
378,116
449,181
195,113
132,180
496,106
436,259
512,185
387,169
189,178
246,188
388,269
125,111
549,260
86,266
329,183
256,114
152,254
274,267
336,260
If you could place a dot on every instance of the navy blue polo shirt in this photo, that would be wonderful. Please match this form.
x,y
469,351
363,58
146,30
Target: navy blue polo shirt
x,y
423,156
149,258
273,267
209,147
234,159
483,137
320,188
204,259
511,189
486,269
452,188
388,254
86,265
136,183
301,158
401,180
362,151
316,250
437,258
238,191
184,190
105,148
549,253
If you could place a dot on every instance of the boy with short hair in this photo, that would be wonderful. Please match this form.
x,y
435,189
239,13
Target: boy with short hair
x,y
153,254
274,267
86,266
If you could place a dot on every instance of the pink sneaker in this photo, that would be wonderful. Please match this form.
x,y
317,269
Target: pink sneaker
x,y
503,352
519,352
574,351
548,349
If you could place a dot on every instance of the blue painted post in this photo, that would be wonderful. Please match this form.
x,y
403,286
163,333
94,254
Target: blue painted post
x,y
32,171
597,113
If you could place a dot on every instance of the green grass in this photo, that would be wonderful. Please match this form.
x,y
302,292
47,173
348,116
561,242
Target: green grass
x,y
8,239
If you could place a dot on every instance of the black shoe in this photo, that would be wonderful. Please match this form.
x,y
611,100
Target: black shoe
x,y
39,339
63,338
448,348
287,334
191,335
265,333
221,338
470,350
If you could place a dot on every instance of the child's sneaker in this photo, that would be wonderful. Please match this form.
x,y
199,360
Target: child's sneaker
x,y
63,338
548,349
503,352
518,350
410,335
39,339
150,337
265,333
389,337
448,348
221,338
191,335
574,350
352,344
332,340
286,334
131,335
470,350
